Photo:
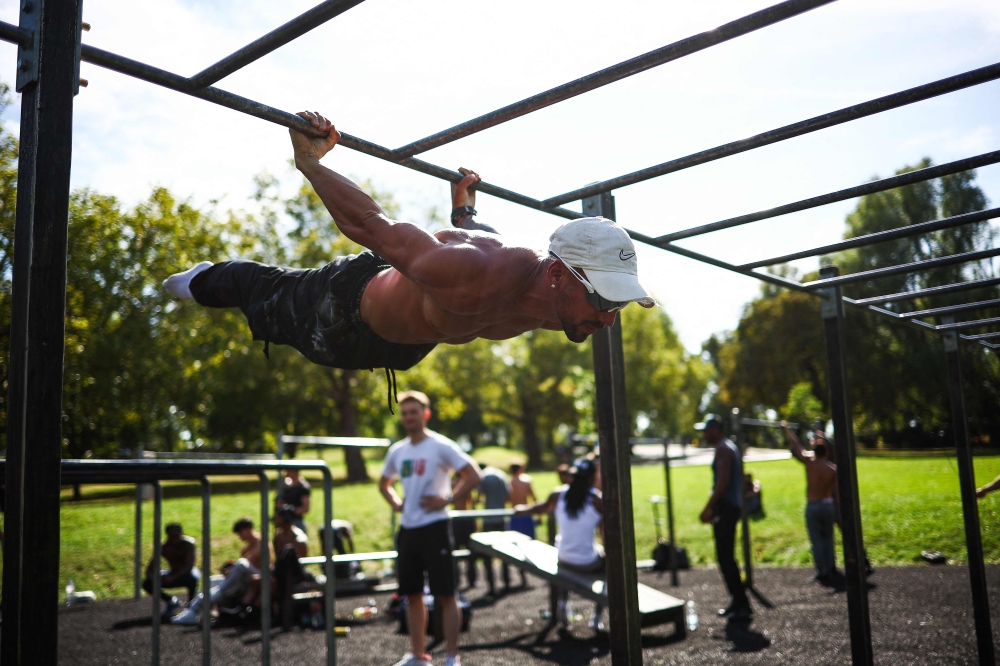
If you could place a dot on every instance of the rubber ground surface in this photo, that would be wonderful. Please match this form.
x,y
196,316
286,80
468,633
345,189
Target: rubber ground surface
x,y
919,615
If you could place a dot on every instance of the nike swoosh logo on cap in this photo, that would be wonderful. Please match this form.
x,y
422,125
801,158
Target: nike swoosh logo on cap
x,y
625,257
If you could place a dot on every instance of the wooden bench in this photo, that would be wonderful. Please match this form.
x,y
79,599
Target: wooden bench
x,y
542,560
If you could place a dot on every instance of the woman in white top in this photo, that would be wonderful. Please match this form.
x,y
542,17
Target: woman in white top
x,y
578,510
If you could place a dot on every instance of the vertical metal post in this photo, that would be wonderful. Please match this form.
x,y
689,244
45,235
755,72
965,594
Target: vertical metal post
x,y
328,594
157,555
206,571
616,481
674,580
970,508
832,311
38,304
265,571
137,564
744,519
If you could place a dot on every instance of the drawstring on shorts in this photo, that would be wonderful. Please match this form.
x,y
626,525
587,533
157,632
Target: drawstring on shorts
x,y
390,380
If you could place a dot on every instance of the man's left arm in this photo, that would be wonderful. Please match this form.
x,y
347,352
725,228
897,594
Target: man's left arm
x,y
463,203
469,478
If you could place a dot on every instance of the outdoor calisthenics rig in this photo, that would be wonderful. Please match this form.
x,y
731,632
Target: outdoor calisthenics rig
x,y
49,55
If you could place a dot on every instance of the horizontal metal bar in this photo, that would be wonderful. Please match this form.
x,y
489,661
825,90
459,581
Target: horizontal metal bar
x,y
767,424
177,83
982,336
967,324
15,34
481,513
930,291
912,267
908,178
364,442
882,236
847,114
987,344
953,308
646,61
273,40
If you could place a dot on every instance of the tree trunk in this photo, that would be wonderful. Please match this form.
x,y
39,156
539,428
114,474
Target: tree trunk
x,y
529,429
341,381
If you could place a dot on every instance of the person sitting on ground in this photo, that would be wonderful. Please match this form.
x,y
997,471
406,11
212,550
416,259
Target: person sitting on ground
x,y
390,305
294,490
290,545
578,509
343,543
990,487
179,552
821,501
521,492
238,574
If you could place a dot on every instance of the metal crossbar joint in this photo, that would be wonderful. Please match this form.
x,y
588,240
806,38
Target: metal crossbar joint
x,y
830,303
950,337
27,54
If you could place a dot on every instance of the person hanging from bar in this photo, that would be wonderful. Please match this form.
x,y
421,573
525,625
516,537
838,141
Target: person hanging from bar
x,y
389,306
990,487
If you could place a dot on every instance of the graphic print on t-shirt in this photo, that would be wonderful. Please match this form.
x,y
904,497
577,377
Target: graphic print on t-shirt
x,y
421,466
407,469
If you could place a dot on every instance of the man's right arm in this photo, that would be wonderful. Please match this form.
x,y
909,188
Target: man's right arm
x,y
793,443
390,494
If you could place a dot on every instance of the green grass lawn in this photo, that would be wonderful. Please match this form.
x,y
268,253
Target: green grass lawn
x,y
907,505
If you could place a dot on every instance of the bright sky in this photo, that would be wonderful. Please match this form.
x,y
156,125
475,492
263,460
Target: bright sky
x,y
393,71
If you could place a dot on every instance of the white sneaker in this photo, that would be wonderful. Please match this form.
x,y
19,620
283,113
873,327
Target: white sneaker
x,y
453,660
178,284
187,617
410,660
595,621
172,605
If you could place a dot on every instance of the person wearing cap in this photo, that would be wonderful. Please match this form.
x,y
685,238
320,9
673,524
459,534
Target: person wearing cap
x,y
579,509
723,511
387,307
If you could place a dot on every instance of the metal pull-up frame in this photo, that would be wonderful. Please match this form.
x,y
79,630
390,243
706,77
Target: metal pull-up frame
x,y
50,51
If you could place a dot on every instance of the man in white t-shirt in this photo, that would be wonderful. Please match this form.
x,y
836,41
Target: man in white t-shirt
x,y
423,463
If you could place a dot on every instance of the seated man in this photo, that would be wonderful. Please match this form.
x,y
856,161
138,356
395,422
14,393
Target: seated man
x,y
290,543
238,574
389,306
179,552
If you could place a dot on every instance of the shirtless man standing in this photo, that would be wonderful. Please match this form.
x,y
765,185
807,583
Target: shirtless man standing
x,y
821,496
389,306
521,492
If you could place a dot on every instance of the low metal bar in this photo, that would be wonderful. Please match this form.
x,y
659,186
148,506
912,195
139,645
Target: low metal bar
x,y
832,313
881,237
953,308
847,114
967,324
674,578
206,571
929,291
646,61
768,424
265,571
912,267
329,592
157,555
982,336
908,178
970,505
272,41
137,558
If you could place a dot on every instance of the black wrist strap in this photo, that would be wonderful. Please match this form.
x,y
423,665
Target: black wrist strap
x,y
460,212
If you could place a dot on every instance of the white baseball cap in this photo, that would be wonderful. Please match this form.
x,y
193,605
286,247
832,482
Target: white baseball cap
x,y
604,250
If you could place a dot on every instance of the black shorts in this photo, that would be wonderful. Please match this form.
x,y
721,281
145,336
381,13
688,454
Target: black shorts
x,y
316,310
427,550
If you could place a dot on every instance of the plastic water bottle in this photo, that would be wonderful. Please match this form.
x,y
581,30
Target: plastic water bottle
x,y
691,615
70,592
